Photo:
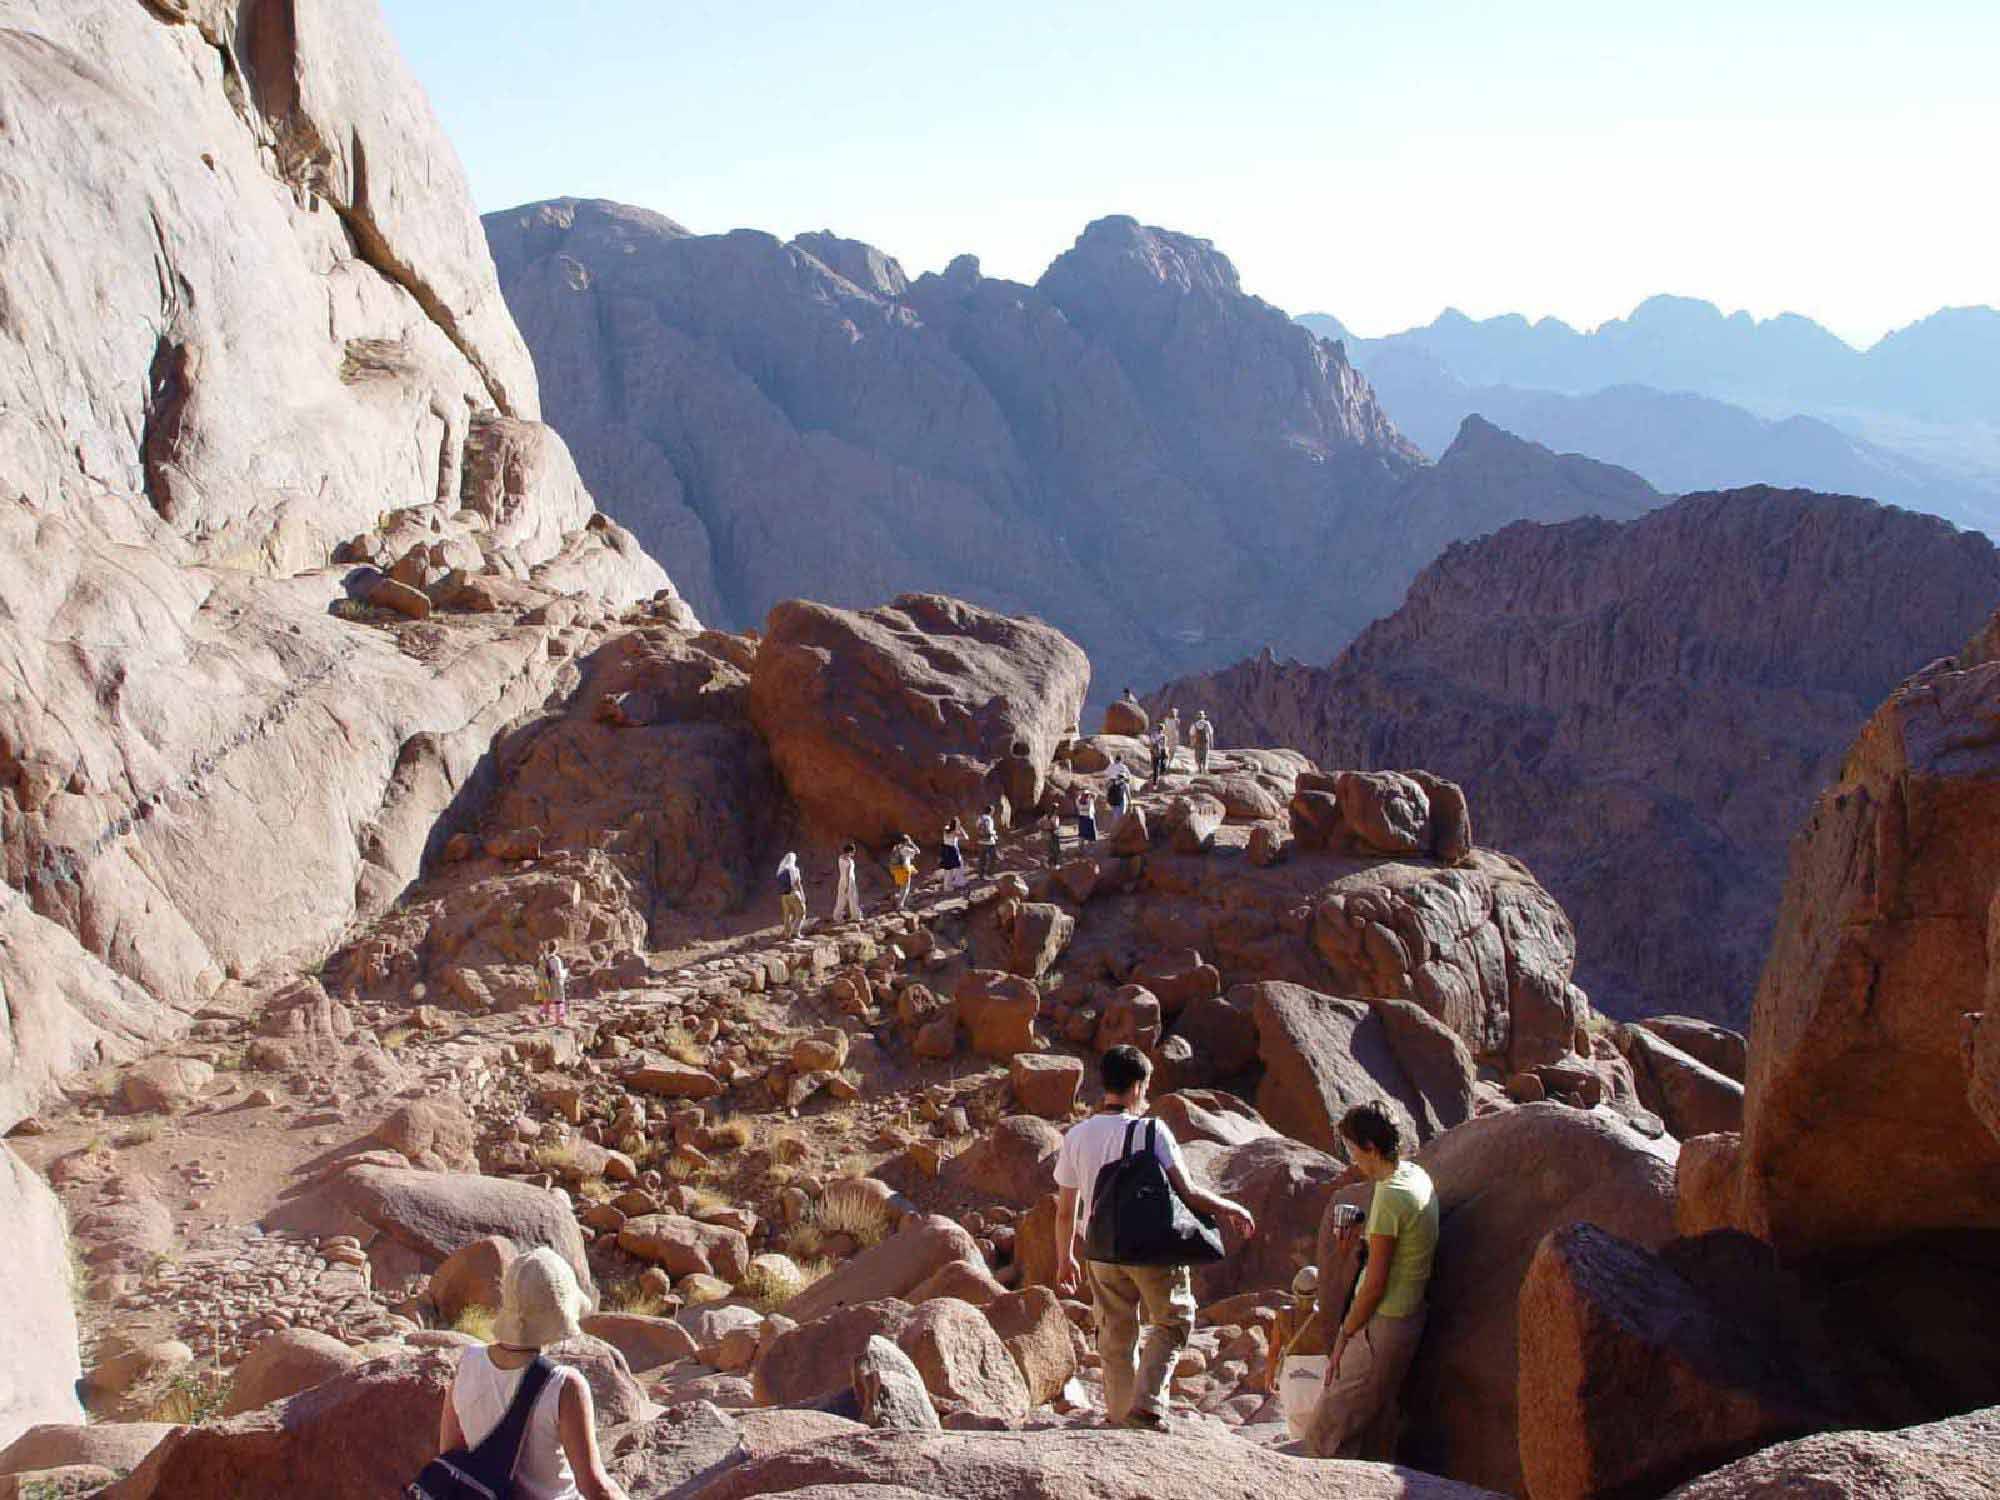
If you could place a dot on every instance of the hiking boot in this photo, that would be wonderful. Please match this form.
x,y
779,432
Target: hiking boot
x,y
1147,1421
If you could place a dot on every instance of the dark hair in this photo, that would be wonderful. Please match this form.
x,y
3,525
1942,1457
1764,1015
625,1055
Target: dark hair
x,y
1372,1125
1121,1067
846,848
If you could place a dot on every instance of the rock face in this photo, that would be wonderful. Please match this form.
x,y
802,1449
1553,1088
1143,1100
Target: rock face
x,y
1641,711
38,1353
1883,946
1631,1381
250,320
893,720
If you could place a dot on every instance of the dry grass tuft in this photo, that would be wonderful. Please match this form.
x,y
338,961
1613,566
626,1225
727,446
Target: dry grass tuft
x,y
859,1214
770,1287
477,1320
631,1296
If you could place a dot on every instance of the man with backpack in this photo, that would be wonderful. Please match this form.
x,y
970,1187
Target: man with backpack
x,y
1118,1177
1202,738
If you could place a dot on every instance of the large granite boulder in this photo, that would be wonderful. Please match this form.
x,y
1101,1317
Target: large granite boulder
x,y
894,720
1322,1056
1881,950
39,1360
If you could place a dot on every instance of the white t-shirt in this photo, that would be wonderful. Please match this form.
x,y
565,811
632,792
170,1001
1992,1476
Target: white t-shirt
x,y
1095,1143
481,1392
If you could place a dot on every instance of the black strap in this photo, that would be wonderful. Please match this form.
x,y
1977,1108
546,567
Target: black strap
x,y
1153,1137
1131,1126
506,1438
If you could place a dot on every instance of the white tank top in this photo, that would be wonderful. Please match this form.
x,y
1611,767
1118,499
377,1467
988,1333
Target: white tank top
x,y
480,1394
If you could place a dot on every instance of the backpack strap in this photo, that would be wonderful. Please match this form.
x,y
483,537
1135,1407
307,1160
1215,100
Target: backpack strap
x,y
1131,1128
1153,1137
506,1438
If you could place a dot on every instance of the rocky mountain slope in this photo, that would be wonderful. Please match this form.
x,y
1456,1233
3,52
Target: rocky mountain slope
x,y
1133,448
252,357
1643,711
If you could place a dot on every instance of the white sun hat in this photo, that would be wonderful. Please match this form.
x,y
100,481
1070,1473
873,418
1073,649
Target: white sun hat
x,y
540,1301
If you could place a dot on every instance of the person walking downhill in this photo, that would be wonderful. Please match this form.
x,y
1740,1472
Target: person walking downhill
x,y
1118,793
989,842
791,895
555,1455
1377,1339
1052,826
1086,817
1156,1300
1202,738
903,869
1157,739
846,899
552,985
1170,727
951,858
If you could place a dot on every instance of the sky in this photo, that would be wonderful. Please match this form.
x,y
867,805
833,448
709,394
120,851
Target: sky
x,y
1379,161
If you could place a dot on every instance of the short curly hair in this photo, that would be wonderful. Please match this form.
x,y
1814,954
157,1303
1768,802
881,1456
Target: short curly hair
x,y
1373,1126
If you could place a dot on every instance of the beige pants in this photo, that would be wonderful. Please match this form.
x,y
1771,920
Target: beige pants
x,y
1162,1297
794,909
1356,1417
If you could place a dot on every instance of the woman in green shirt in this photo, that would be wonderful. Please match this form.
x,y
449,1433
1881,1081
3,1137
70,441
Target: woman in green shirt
x,y
1378,1337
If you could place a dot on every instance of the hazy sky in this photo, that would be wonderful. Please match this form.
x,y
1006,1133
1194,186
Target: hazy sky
x,y
1376,160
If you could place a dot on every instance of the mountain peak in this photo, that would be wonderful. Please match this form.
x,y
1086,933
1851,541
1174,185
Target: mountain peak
x,y
1120,245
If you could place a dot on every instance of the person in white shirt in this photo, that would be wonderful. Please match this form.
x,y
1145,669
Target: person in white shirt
x,y
1159,1297
989,842
540,1305
1202,738
846,901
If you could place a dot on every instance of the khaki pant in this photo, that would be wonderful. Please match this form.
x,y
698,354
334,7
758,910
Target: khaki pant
x,y
1356,1416
1135,1379
794,910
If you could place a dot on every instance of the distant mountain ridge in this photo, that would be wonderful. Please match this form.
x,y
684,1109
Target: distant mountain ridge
x,y
1944,367
1170,470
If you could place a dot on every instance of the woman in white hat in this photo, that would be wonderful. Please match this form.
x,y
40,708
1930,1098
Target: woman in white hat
x,y
540,1303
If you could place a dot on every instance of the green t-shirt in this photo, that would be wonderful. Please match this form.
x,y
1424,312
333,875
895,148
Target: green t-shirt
x,y
1405,1205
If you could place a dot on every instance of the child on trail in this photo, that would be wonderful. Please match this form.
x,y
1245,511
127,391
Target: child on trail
x,y
903,868
1086,817
791,895
1295,1367
552,985
1202,738
951,859
989,842
846,900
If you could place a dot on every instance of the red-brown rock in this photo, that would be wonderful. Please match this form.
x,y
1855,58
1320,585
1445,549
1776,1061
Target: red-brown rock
x,y
998,1012
1045,1083
1956,1459
1038,1334
1013,1162
283,1364
965,1366
816,1359
892,1269
889,720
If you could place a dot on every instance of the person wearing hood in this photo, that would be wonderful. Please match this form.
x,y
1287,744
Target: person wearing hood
x,y
791,895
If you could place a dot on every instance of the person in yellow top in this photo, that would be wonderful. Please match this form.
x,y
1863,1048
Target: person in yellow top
x,y
1377,1338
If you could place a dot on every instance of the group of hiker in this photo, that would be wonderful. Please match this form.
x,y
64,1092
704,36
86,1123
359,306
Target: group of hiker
x,y
954,873
1130,1224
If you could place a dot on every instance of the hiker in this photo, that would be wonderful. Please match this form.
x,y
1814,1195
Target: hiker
x,y
846,900
792,895
903,868
989,842
951,859
1201,737
1158,740
1161,1297
552,985
1052,826
1086,816
1171,727
1377,1337
1118,793
554,1454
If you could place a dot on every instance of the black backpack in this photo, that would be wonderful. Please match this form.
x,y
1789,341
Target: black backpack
x,y
486,1471
1136,1217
